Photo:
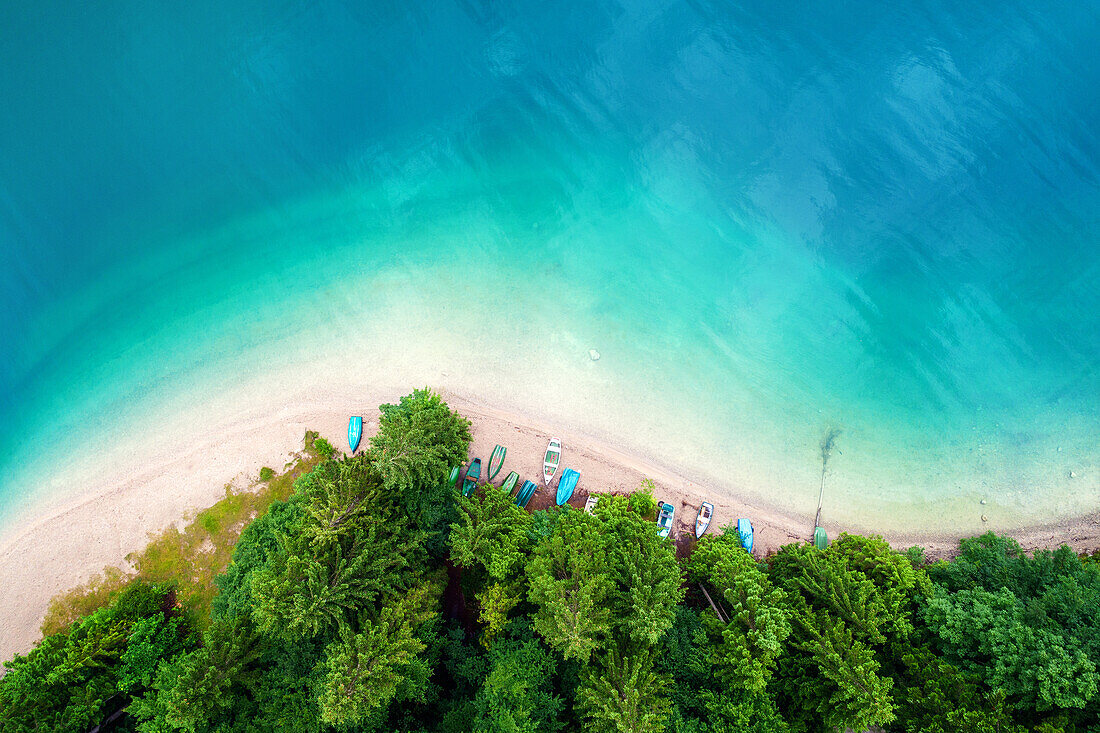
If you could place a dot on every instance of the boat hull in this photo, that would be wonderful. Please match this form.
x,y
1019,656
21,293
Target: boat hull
x,y
355,432
526,492
473,473
566,485
744,528
551,461
706,511
496,461
509,484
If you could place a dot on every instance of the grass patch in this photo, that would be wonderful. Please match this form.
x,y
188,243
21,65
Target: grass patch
x,y
188,559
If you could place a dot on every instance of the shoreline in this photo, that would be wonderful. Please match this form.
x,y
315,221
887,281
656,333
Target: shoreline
x,y
73,540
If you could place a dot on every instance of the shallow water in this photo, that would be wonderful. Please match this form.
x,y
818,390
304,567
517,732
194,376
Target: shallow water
x,y
768,221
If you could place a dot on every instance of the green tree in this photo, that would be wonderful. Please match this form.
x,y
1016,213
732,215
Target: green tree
x,y
516,696
621,693
568,582
72,679
193,689
743,650
491,532
365,670
646,579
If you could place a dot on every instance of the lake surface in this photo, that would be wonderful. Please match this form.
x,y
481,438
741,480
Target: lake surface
x,y
769,220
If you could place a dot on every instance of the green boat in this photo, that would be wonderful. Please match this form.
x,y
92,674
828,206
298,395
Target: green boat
x,y
510,482
821,540
496,461
452,480
473,473
526,493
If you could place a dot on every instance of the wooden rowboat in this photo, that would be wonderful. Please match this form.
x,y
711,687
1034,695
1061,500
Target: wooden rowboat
x,y
473,473
355,432
664,519
496,460
551,460
510,482
452,479
591,502
706,511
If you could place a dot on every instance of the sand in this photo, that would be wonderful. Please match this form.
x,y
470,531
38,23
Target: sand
x,y
115,515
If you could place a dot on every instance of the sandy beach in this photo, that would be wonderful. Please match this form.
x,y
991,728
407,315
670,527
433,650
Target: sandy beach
x,y
102,523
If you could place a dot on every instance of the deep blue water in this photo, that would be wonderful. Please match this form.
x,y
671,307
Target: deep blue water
x,y
770,218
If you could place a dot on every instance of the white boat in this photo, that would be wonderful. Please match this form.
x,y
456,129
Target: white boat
x,y
664,519
551,461
591,502
703,520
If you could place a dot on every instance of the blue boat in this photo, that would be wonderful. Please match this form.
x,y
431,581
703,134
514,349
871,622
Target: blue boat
x,y
355,432
566,484
525,493
744,528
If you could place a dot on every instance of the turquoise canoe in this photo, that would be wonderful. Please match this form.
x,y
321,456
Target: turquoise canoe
x,y
473,473
821,540
496,461
355,432
566,484
452,480
526,493
510,483
744,528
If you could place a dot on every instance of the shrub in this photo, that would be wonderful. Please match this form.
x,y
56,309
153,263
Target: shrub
x,y
266,474
324,448
642,502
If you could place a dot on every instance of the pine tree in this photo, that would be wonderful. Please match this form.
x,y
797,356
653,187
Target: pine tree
x,y
621,693
568,582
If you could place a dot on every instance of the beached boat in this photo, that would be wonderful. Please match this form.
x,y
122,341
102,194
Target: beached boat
x,y
744,528
551,461
473,473
591,502
703,520
664,519
496,460
355,432
526,492
510,482
821,540
452,479
566,484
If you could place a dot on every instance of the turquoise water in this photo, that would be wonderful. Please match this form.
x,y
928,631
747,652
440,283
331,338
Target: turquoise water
x,y
769,220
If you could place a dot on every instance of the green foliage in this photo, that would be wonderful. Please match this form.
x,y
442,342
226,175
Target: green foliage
x,y
568,581
266,474
621,693
368,596
71,680
365,670
324,448
190,559
516,696
646,579
744,651
642,501
191,690
152,639
492,532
